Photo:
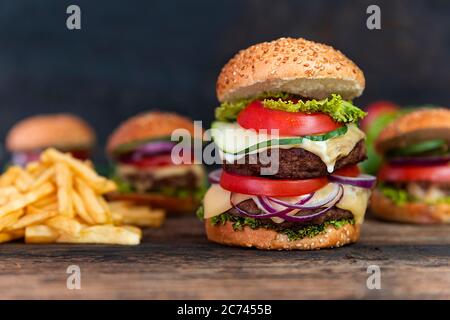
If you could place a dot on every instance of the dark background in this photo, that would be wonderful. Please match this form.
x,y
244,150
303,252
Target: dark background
x,y
132,56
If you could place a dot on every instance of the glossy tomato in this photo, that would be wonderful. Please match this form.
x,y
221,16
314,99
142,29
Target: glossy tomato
x,y
269,187
407,173
350,171
375,109
256,116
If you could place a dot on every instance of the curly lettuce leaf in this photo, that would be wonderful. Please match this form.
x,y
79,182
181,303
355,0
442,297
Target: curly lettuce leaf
x,y
293,234
339,109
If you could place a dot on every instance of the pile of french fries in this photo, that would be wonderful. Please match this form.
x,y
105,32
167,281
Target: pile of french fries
x,y
60,200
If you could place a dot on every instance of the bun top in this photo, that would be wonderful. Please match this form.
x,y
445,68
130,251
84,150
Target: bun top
x,y
65,131
149,125
296,66
413,127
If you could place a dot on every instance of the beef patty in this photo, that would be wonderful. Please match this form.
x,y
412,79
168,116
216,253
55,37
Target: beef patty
x,y
295,163
145,182
332,214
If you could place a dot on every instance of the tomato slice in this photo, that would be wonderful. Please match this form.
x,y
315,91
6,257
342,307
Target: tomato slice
x,y
256,116
153,161
350,171
268,187
434,173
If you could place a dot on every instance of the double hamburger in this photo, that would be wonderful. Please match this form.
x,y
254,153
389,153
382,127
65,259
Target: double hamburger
x,y
65,132
414,182
144,169
288,100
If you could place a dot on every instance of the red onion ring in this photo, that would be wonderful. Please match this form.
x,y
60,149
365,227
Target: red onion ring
x,y
362,181
155,147
258,216
214,176
316,214
305,205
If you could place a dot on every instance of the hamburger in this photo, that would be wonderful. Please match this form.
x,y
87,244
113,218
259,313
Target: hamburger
x,y
414,182
141,153
290,98
65,132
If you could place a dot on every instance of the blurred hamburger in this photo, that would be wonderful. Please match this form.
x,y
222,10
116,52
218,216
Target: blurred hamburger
x,y
141,148
65,132
414,183
312,194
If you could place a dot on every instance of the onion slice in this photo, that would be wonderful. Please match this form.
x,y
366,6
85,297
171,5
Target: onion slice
x,y
310,205
303,218
155,147
279,214
362,181
420,161
214,176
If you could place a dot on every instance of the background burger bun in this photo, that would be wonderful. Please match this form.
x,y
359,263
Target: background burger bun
x,y
413,127
149,125
296,66
65,131
419,213
271,240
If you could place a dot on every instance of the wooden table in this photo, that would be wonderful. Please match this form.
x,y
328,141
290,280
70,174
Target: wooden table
x,y
176,262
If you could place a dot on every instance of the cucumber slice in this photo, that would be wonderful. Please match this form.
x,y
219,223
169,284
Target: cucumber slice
x,y
422,147
231,138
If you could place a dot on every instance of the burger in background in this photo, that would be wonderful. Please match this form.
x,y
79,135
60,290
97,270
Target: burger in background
x,y
65,132
140,149
414,182
315,196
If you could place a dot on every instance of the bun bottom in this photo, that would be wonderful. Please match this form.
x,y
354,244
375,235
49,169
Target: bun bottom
x,y
267,239
420,213
172,204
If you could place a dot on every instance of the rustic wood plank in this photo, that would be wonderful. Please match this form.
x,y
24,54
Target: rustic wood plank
x,y
177,262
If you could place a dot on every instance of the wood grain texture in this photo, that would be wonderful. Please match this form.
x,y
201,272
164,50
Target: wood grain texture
x,y
176,262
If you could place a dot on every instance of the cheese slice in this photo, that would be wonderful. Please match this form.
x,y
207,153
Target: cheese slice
x,y
328,151
354,199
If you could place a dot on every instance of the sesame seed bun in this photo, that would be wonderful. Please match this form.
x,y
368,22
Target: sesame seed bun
x,y
64,131
271,240
420,213
296,66
146,126
413,127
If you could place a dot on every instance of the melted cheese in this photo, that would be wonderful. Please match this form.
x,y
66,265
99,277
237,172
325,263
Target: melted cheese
x,y
328,151
217,200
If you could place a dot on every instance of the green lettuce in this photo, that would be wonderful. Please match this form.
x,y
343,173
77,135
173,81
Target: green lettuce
x,y
339,109
309,231
401,196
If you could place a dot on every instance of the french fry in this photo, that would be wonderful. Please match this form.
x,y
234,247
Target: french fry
x,y
51,199
10,219
64,193
65,225
45,176
27,199
98,183
9,176
106,234
34,218
93,207
23,181
40,234
59,200
11,235
80,209
141,216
